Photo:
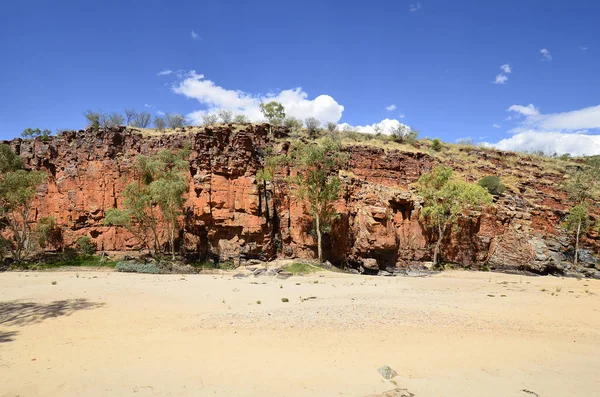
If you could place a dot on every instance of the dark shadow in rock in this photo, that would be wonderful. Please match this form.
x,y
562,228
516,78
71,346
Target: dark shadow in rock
x,y
7,336
19,313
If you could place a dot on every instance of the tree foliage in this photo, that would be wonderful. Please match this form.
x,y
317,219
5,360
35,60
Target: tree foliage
x,y
18,188
404,134
446,199
155,200
317,183
273,111
36,133
93,119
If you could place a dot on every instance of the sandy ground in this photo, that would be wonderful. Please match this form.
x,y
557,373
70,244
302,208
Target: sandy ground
x,y
453,334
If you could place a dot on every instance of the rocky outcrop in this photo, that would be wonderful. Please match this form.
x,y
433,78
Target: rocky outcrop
x,y
230,217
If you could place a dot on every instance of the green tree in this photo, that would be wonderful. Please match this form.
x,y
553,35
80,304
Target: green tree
x,y
18,188
139,216
578,222
274,112
446,199
36,133
160,188
317,183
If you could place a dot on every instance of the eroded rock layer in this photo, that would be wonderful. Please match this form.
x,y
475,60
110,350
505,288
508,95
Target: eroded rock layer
x,y
229,216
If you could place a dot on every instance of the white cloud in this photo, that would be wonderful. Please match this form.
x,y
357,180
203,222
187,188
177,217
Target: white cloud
x,y
194,35
552,142
214,97
160,113
385,126
496,125
573,121
414,7
565,132
501,79
391,108
401,115
583,48
528,110
546,56
165,72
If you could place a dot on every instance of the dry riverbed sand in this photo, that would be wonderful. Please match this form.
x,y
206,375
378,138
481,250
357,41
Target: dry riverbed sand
x,y
100,333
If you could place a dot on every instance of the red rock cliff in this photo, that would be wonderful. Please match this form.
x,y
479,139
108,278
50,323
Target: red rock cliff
x,y
226,218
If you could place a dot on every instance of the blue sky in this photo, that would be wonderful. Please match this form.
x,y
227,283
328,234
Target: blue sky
x,y
436,61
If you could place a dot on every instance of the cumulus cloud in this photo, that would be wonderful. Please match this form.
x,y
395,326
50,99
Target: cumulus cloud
x,y
391,108
165,72
414,7
546,56
401,115
496,125
194,35
571,121
385,127
506,68
214,97
566,132
575,144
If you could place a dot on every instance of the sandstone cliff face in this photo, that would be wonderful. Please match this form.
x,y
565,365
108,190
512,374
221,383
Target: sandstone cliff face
x,y
229,218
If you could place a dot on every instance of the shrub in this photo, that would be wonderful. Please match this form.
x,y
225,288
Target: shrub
x,y
285,300
136,267
241,119
332,127
436,145
209,119
493,185
312,125
466,141
160,123
175,120
226,116
85,245
93,119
